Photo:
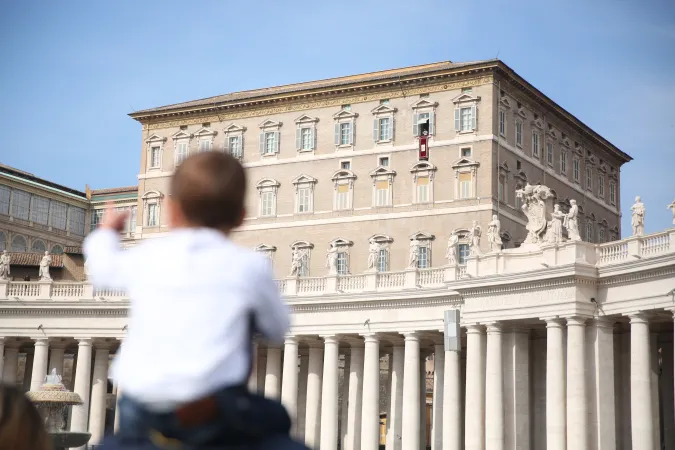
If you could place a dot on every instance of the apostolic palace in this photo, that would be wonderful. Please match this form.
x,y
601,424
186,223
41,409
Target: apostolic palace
x,y
447,237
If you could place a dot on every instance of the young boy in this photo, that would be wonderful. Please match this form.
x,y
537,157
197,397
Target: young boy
x,y
196,299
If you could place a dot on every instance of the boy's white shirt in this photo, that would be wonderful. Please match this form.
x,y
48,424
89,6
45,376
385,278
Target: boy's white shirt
x,y
191,295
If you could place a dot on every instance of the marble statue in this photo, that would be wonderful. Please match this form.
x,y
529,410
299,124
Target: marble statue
x,y
85,269
414,254
474,239
493,234
331,259
53,378
298,262
570,222
4,265
451,252
638,220
373,255
554,235
44,267
536,205
671,207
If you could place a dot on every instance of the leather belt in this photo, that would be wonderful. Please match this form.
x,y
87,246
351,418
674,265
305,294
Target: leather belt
x,y
198,412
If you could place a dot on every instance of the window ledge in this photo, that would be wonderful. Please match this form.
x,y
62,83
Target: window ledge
x,y
467,132
344,146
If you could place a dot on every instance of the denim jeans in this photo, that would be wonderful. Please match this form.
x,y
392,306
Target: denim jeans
x,y
244,418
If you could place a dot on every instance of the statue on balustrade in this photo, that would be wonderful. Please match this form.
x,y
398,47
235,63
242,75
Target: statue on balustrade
x,y
414,253
44,267
373,255
331,259
4,265
451,252
493,234
570,222
638,220
537,204
298,262
671,207
474,239
554,234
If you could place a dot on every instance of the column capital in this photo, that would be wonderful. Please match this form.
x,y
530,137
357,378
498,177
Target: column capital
x,y
604,322
370,337
291,340
411,336
475,329
85,342
576,321
41,342
554,322
638,317
494,327
330,339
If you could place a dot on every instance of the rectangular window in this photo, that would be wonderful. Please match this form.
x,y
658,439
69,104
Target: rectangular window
x,y
382,193
181,152
549,153
152,215
420,118
345,133
305,139
535,145
465,181
423,190
612,193
155,155
270,143
132,219
342,263
342,199
59,214
21,205
519,201
5,194
234,146
466,119
601,186
463,253
519,133
96,217
385,129
76,221
204,145
40,210
346,165
383,260
502,189
576,170
502,123
304,194
466,152
384,161
267,203
589,178
563,162
126,225
423,259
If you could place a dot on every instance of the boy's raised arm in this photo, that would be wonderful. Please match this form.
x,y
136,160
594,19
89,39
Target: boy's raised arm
x,y
271,315
106,262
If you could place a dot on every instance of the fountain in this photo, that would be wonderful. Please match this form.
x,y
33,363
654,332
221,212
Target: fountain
x,y
52,401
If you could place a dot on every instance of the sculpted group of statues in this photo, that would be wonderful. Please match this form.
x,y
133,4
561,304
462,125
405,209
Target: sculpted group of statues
x,y
541,229
6,260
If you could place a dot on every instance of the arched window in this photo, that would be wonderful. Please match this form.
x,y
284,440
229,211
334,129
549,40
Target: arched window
x,y
19,244
57,250
38,247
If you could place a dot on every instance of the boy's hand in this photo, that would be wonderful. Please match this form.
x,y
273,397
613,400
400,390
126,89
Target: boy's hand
x,y
113,219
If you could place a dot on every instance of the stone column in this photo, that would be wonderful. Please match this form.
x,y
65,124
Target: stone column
x,y
474,431
423,400
273,373
354,402
329,394
99,389
302,397
27,372
289,385
410,436
577,407
396,410
118,395
494,390
11,365
640,385
2,356
39,364
437,402
80,413
370,412
517,389
601,385
253,377
313,408
344,403
56,355
556,438
452,402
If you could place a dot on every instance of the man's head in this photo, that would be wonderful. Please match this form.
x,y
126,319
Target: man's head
x,y
208,190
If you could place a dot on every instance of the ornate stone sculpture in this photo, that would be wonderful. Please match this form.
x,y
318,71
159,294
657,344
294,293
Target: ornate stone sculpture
x,y
298,262
44,267
373,255
474,239
493,234
451,252
638,220
554,234
414,254
671,207
570,222
53,378
4,265
331,259
537,204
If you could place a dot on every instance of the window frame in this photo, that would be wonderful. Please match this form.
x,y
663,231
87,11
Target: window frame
x,y
234,131
181,138
153,142
384,112
344,116
265,187
379,175
343,178
301,183
269,128
419,170
519,133
308,123
153,198
468,101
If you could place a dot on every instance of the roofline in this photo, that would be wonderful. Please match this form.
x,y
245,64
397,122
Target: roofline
x,y
32,179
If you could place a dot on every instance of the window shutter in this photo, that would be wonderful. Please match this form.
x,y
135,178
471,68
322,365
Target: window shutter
x,y
298,138
474,113
226,145
313,137
432,123
457,122
353,133
416,126
277,140
393,128
376,129
262,143
337,133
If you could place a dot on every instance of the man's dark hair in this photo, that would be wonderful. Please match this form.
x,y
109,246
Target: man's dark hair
x,y
209,188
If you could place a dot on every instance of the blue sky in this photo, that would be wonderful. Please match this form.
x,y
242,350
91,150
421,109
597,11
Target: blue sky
x,y
71,71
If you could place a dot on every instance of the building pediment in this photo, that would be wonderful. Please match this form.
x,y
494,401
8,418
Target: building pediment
x,y
465,162
304,179
306,119
232,128
465,98
302,245
267,182
269,123
538,124
521,112
205,132
565,141
505,103
343,174
181,135
382,171
265,248
423,103
383,109
422,167
521,175
155,139
422,236
345,114
151,194
504,167
340,242
381,239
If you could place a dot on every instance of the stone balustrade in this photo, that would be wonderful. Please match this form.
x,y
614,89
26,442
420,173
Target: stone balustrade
x,y
509,261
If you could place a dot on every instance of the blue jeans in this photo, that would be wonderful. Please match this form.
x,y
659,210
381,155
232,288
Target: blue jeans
x,y
243,418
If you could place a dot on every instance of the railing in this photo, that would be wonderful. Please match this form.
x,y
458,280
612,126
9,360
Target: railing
x,y
484,265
